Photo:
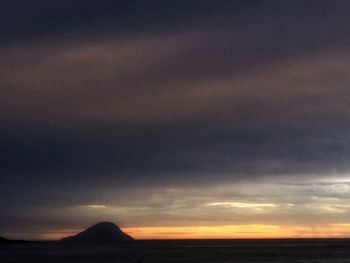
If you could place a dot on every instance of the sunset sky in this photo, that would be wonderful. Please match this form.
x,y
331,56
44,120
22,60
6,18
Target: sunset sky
x,y
175,119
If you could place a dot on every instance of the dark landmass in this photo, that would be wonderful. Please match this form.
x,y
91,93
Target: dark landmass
x,y
4,240
104,232
10,241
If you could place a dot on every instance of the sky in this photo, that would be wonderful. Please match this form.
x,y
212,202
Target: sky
x,y
175,119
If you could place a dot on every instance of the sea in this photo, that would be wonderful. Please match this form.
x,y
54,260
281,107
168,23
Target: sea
x,y
183,251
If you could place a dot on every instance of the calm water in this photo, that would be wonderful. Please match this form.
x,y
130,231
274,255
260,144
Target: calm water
x,y
192,251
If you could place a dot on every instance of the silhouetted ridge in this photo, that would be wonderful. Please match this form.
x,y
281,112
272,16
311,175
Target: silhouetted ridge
x,y
104,232
10,241
4,240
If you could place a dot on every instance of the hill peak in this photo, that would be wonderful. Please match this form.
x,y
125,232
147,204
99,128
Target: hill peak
x,y
103,232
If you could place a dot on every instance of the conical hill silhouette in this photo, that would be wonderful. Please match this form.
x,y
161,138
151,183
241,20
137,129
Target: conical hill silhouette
x,y
104,232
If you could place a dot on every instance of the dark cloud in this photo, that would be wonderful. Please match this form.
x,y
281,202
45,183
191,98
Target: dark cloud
x,y
24,20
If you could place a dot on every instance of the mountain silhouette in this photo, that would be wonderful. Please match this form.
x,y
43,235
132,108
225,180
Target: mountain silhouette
x,y
104,232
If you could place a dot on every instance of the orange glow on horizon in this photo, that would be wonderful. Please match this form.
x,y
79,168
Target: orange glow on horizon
x,y
224,232
238,231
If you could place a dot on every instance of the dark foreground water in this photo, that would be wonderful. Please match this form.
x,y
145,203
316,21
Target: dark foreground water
x,y
191,251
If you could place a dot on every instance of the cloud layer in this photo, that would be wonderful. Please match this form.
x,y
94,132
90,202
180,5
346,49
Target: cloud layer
x,y
185,95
